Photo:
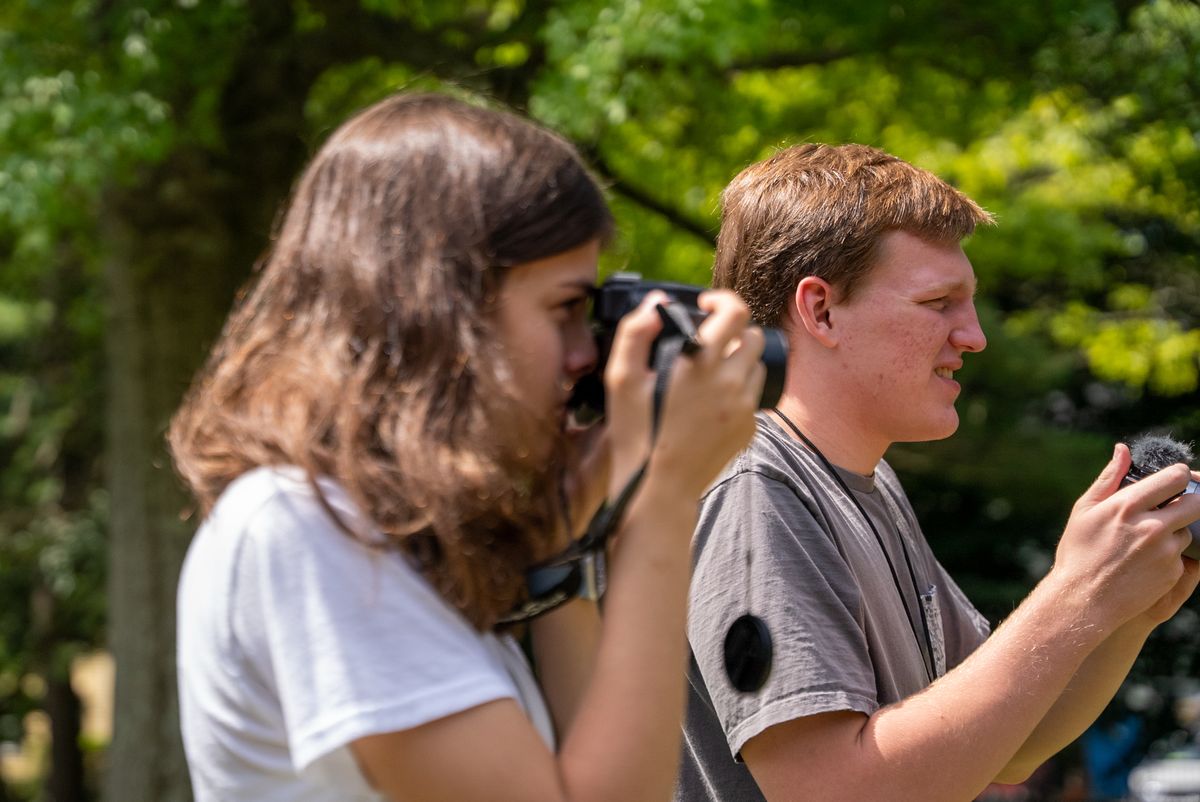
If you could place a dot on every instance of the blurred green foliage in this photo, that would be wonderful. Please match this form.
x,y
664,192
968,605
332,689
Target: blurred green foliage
x,y
1076,122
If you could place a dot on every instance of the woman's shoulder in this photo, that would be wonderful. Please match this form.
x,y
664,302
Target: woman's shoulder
x,y
261,488
277,516
299,536
270,499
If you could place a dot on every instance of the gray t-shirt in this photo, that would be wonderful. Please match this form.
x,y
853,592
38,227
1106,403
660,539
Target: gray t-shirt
x,y
779,537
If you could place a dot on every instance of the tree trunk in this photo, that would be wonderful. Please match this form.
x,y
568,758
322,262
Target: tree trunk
x,y
177,247
145,759
169,277
66,781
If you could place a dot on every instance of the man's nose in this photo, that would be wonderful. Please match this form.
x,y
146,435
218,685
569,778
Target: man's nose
x,y
968,335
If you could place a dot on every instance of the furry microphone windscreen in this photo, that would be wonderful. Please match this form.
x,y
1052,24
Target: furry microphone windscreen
x,y
1154,452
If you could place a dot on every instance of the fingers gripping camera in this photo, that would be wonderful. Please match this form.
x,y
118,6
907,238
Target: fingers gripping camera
x,y
620,295
1152,453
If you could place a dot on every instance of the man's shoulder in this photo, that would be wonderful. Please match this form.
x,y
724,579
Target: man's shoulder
x,y
772,461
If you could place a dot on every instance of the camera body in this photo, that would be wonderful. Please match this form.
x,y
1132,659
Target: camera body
x,y
1152,453
619,295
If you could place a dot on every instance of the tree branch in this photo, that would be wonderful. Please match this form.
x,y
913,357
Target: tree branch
x,y
644,199
445,49
778,61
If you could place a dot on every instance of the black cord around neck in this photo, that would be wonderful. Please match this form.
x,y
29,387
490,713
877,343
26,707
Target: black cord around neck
x,y
927,656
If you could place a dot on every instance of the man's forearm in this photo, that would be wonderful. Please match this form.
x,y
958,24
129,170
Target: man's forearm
x,y
948,742
1099,678
1086,696
985,709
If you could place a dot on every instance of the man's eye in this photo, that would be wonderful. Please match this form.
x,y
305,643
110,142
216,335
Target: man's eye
x,y
937,303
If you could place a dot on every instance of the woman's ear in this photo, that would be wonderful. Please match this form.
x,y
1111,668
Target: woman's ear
x,y
810,308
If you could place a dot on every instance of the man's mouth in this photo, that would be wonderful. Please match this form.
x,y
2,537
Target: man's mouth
x,y
945,373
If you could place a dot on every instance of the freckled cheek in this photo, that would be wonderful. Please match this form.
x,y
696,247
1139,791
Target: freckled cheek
x,y
910,352
905,359
893,355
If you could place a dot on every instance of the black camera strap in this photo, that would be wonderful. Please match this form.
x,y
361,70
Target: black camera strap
x,y
679,336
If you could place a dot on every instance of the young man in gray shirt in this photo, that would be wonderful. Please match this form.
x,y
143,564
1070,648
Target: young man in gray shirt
x,y
884,683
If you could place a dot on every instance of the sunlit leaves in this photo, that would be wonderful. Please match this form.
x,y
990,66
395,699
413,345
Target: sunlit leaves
x,y
21,320
599,47
1151,352
66,130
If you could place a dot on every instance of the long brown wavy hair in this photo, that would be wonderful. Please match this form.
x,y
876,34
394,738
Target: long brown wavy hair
x,y
366,350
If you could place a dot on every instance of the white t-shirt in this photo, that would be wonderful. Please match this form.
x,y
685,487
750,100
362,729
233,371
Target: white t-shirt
x,y
295,639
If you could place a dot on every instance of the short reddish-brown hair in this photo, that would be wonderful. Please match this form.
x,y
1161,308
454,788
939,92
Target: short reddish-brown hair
x,y
819,210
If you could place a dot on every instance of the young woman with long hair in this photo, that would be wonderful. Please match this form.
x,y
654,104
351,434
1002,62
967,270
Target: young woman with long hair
x,y
381,446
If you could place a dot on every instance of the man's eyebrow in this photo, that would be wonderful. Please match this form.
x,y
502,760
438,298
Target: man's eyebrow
x,y
945,288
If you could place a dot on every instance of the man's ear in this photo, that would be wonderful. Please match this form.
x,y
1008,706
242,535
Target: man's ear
x,y
810,307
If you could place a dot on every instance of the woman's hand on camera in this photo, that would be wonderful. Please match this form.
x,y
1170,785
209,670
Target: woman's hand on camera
x,y
708,413
713,395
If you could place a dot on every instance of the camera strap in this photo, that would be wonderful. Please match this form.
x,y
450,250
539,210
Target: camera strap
x,y
679,336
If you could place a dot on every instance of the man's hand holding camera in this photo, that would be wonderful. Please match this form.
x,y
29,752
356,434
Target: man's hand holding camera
x,y
1126,549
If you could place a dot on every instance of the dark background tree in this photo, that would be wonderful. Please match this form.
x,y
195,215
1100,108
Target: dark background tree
x,y
145,148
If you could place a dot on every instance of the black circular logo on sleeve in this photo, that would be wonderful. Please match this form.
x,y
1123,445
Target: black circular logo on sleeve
x,y
748,653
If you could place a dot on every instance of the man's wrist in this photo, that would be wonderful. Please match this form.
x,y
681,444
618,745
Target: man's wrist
x,y
1073,605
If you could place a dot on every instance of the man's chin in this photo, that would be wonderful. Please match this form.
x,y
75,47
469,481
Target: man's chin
x,y
932,433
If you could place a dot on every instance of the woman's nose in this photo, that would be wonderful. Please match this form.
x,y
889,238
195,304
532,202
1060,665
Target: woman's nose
x,y
581,355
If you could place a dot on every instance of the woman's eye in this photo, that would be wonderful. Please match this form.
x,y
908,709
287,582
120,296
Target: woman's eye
x,y
574,307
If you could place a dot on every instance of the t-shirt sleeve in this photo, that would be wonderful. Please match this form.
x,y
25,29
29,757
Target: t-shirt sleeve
x,y
760,549
354,640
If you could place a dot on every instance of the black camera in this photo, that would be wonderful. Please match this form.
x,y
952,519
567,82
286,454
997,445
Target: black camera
x,y
619,295
1150,454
